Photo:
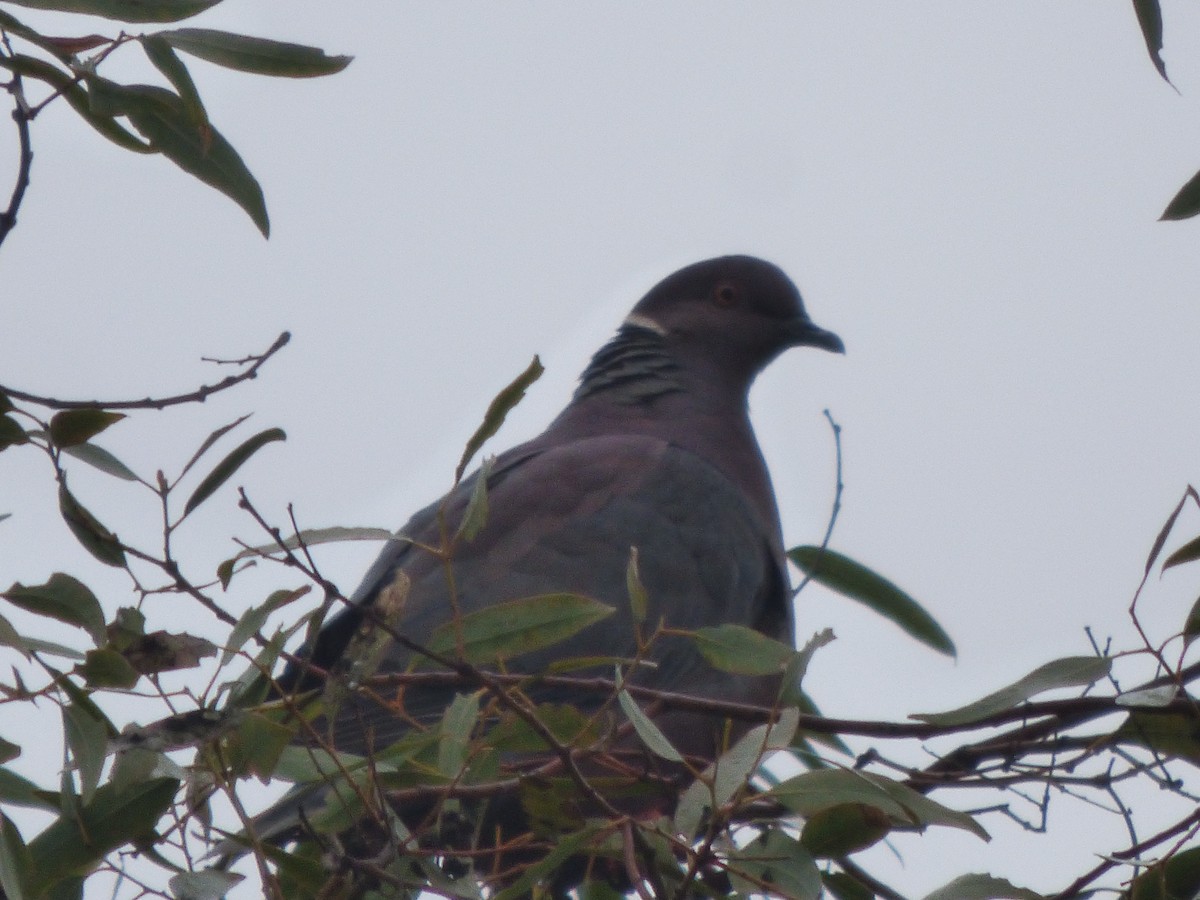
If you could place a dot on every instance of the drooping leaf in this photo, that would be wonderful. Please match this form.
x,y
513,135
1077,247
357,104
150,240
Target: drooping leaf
x,y
778,860
1184,204
211,884
87,738
1189,552
1174,878
657,742
16,866
1071,671
812,792
983,887
638,598
732,770
841,886
163,118
255,745
16,790
230,464
253,618
79,99
208,442
565,722
1150,20
1172,735
741,650
308,537
510,629
475,516
160,53
75,426
11,433
99,458
496,413
856,581
63,598
251,54
840,830
106,668
96,539
457,724
74,846
127,10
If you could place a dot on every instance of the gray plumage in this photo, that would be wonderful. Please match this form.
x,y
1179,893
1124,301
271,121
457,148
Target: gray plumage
x,y
656,451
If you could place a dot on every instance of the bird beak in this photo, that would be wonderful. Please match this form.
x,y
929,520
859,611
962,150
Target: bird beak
x,y
803,333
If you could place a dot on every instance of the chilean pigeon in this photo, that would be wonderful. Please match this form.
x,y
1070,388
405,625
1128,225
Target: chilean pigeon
x,y
655,451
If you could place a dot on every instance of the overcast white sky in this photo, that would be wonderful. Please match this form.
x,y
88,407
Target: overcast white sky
x,y
966,192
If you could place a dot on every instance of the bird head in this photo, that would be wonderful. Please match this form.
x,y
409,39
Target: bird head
x,y
732,313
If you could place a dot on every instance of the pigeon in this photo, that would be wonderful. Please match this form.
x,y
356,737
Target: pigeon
x,y
655,451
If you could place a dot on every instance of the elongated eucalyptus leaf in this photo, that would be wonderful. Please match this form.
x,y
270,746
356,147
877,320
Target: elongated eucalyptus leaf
x,y
1072,671
230,464
496,413
63,598
657,742
252,54
507,630
126,10
73,845
74,426
856,581
983,887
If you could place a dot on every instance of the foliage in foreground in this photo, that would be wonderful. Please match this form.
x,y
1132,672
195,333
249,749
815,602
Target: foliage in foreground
x,y
146,795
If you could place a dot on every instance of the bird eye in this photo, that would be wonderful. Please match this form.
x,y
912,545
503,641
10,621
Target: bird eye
x,y
726,295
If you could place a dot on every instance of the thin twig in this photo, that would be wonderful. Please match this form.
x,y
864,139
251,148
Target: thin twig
x,y
199,395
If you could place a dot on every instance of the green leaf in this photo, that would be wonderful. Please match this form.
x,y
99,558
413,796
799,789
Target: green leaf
x,y
308,537
841,886
853,580
11,433
1174,878
101,459
78,97
18,791
253,618
812,792
657,742
1071,671
159,52
127,10
163,118
211,884
96,539
844,829
230,464
1189,552
8,750
983,887
732,770
63,598
638,599
565,722
74,846
75,426
106,668
1173,735
475,516
1184,204
16,866
742,651
1150,20
257,55
256,745
87,738
497,411
775,858
564,848
457,725
510,629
